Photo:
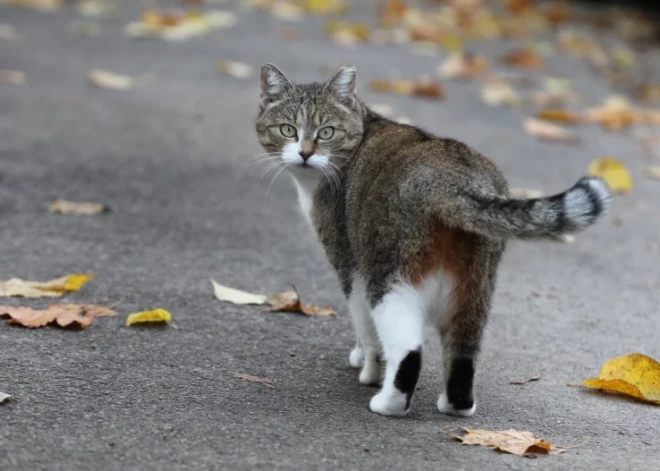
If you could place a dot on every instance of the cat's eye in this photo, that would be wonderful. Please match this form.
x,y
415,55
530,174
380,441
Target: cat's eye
x,y
287,130
326,133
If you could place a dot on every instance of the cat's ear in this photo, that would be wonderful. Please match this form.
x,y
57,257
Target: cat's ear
x,y
343,85
274,85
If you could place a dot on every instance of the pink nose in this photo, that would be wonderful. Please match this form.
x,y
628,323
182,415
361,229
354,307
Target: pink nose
x,y
305,154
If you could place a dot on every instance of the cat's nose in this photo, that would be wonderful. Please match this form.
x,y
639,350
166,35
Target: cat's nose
x,y
305,154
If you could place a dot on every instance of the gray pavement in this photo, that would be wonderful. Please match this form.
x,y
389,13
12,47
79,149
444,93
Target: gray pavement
x,y
164,156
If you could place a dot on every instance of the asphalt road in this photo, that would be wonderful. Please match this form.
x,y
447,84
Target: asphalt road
x,y
164,156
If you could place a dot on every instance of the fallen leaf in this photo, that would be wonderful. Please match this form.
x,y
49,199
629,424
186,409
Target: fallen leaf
x,y
525,381
547,131
325,7
615,114
526,58
15,77
97,9
235,296
463,65
424,87
81,209
559,115
289,301
4,397
347,34
635,375
525,193
652,172
44,289
544,294
42,5
235,69
508,441
63,315
556,92
153,316
499,93
287,11
105,79
615,174
558,12
253,379
176,26
392,12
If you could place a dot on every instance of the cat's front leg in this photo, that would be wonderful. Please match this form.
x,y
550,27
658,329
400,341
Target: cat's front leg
x,y
366,353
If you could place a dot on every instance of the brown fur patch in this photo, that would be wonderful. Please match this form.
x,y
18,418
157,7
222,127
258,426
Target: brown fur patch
x,y
451,250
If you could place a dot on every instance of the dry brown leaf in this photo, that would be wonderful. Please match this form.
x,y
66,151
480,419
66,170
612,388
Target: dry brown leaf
x,y
253,379
44,289
558,12
525,381
526,58
508,441
235,69
559,115
546,131
81,209
392,12
615,114
15,77
652,172
63,315
518,6
289,301
105,79
424,87
463,65
635,375
4,397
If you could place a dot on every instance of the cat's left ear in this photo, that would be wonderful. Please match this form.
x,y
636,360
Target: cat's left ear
x,y
343,85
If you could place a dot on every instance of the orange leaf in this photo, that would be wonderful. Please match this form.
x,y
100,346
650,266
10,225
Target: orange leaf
x,y
289,301
525,58
559,115
392,12
64,315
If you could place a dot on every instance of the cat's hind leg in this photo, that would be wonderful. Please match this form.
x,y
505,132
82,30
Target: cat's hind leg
x,y
399,317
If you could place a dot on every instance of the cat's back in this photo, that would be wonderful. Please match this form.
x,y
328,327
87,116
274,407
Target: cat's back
x,y
396,158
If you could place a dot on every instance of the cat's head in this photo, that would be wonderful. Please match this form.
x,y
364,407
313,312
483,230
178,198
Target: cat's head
x,y
312,126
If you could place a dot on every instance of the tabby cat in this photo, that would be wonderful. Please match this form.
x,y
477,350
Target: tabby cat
x,y
415,226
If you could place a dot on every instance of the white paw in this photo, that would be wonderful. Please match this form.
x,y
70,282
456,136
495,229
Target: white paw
x,y
390,404
371,373
356,358
446,408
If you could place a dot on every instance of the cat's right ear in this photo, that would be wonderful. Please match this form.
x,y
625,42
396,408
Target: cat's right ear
x,y
274,85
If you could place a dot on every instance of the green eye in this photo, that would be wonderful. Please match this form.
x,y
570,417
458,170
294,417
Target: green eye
x,y
287,130
327,132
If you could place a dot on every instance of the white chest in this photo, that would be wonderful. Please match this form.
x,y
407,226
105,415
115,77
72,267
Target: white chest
x,y
305,188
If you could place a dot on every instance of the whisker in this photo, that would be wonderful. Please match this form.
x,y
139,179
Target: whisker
x,y
277,174
257,159
265,171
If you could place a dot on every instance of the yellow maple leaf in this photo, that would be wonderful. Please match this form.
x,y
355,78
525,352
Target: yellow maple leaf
x,y
153,316
635,375
613,172
44,289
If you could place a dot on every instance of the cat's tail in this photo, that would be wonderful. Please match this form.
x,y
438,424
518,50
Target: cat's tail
x,y
537,218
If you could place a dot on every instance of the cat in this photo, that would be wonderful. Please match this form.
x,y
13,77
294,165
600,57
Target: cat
x,y
415,226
